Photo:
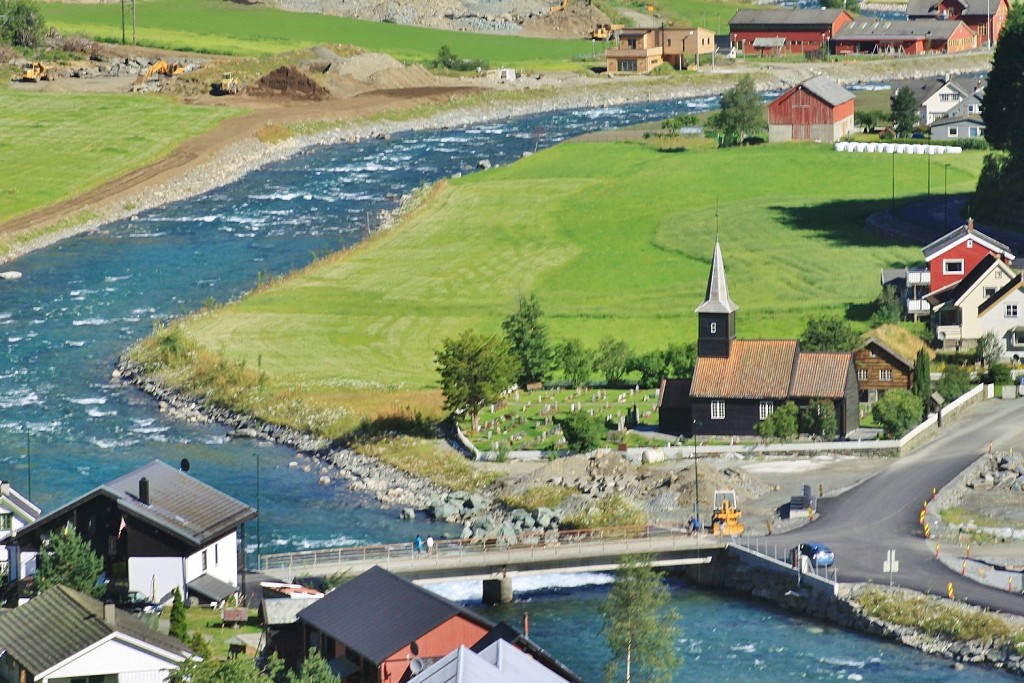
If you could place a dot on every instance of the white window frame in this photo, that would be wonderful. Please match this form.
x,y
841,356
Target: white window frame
x,y
885,375
947,270
970,244
765,409
718,410
862,375
1010,311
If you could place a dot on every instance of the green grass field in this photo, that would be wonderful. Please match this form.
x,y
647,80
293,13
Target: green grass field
x,y
111,134
710,14
614,238
216,26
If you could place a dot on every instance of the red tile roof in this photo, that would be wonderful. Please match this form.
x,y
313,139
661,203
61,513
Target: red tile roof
x,y
754,369
821,375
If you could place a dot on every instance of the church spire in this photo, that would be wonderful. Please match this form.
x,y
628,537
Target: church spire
x,y
717,299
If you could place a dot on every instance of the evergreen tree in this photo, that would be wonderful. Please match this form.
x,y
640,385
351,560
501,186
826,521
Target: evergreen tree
x,y
923,376
639,624
527,336
742,113
474,370
888,307
575,362
314,669
1004,94
67,559
179,625
904,112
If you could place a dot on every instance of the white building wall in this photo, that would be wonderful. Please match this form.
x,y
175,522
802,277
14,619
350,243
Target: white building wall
x,y
156,576
995,320
115,657
997,278
221,561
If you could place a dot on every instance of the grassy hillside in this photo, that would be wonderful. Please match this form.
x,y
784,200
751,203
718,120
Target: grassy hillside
x,y
614,238
111,133
223,27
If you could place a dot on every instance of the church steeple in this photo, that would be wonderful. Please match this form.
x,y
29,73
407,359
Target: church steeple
x,y
716,317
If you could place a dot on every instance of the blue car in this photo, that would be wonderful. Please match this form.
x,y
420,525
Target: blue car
x,y
818,554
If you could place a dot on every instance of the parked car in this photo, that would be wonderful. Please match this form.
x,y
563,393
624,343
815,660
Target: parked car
x,y
133,601
818,554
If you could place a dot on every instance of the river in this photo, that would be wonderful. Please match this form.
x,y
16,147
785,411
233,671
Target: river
x,y
67,427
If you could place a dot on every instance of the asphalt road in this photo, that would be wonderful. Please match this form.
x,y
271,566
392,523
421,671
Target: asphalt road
x,y
881,514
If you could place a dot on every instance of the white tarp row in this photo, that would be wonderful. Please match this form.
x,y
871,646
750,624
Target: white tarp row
x,y
896,148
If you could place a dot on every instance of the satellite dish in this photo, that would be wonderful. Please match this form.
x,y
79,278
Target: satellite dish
x,y
185,465
416,665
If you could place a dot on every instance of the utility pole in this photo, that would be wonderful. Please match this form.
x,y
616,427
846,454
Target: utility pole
x,y
122,23
134,42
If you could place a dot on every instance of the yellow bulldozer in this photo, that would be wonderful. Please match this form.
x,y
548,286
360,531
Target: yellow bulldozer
x,y
228,85
36,71
725,520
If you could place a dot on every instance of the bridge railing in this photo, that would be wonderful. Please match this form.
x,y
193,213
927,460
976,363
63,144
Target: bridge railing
x,y
765,545
312,561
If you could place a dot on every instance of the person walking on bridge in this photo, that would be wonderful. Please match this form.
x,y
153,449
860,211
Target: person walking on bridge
x,y
417,546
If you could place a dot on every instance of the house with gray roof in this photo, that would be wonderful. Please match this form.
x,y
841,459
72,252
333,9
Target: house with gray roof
x,y
785,31
958,128
893,36
936,97
156,528
62,635
16,512
499,662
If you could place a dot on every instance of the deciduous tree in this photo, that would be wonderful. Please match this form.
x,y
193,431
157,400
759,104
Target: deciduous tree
x,y
681,359
582,432
575,362
783,423
828,333
68,559
888,307
22,24
612,359
989,349
474,370
527,336
897,411
955,382
819,419
742,113
639,624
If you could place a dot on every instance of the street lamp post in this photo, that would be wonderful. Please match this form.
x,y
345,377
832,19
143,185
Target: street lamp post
x,y
259,550
894,183
945,200
696,481
28,455
929,173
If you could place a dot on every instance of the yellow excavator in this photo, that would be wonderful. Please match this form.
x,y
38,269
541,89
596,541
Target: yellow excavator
x,y
605,31
725,520
36,71
159,68
560,6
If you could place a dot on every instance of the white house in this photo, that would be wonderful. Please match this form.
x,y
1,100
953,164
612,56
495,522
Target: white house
x,y
62,635
1003,315
157,529
956,321
936,97
16,512
958,128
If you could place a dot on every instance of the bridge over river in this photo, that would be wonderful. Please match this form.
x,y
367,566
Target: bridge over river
x,y
495,564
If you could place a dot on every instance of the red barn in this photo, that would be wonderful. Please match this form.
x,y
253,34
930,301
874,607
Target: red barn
x,y
817,109
984,18
879,36
785,31
956,253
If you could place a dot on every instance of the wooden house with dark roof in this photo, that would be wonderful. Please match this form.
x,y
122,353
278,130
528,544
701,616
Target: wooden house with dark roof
x,y
817,109
62,635
880,369
156,528
738,383
381,628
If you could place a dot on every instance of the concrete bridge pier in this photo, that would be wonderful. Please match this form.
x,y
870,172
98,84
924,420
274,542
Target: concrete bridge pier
x,y
498,591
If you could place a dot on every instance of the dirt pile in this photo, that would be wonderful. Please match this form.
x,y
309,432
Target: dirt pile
x,y
575,21
287,81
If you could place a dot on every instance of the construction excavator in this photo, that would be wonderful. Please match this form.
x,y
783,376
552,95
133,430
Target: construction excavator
x,y
159,68
725,520
36,71
560,6
605,31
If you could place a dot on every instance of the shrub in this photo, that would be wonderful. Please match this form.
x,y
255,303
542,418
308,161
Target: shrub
x,y
582,433
23,25
955,382
897,412
999,373
782,424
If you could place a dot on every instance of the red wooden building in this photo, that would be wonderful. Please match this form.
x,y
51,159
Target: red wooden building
x,y
984,18
879,36
817,109
785,31
951,257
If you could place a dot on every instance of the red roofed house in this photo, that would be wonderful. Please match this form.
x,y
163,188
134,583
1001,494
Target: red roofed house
x,y
984,17
817,109
785,31
738,383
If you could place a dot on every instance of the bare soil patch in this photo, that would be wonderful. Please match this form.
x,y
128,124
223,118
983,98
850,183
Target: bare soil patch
x,y
287,81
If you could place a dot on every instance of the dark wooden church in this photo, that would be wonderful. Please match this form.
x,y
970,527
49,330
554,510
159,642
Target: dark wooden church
x,y
737,382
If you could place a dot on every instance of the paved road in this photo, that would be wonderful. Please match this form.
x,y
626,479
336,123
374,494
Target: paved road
x,y
882,513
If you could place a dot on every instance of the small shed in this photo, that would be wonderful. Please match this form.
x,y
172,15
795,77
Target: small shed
x,y
817,109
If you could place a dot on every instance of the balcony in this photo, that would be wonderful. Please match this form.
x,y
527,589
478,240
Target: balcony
x,y
919,277
948,333
918,306
633,53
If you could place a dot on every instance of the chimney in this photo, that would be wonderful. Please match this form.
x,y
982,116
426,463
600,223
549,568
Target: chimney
x,y
144,491
970,224
5,488
526,624
109,613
